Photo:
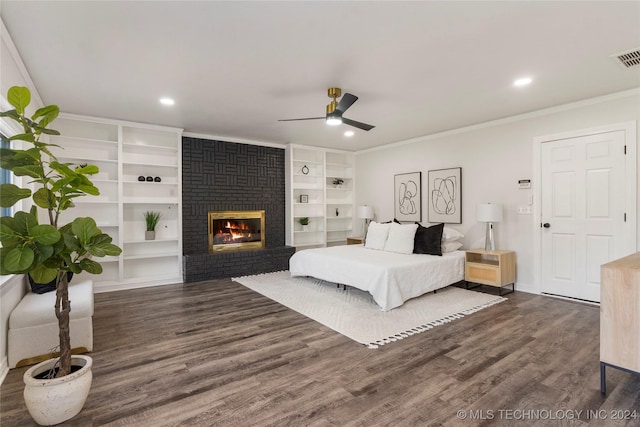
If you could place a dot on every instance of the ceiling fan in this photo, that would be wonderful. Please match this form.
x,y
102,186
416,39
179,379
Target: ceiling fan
x,y
335,110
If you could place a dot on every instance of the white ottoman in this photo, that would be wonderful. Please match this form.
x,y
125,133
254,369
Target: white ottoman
x,y
33,326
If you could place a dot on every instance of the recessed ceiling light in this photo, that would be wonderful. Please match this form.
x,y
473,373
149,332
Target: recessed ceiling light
x,y
167,101
349,133
523,81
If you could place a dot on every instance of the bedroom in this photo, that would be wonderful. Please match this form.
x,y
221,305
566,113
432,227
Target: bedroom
x,y
495,156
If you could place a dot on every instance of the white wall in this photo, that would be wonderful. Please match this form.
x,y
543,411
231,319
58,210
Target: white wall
x,y
493,157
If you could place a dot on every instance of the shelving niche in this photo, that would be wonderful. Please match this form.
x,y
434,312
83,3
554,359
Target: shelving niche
x,y
311,193
125,151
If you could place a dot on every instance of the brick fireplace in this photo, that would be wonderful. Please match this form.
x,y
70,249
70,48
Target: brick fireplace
x,y
219,176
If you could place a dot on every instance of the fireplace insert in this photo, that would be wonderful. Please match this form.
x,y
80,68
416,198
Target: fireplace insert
x,y
236,230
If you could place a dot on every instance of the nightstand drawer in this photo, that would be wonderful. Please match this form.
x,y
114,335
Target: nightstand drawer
x,y
487,275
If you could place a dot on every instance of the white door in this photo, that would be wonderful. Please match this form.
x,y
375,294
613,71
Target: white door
x,y
583,212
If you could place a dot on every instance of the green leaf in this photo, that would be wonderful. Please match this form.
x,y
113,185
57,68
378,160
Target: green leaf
x,y
12,114
45,198
45,234
84,228
23,137
71,241
19,97
88,170
18,259
32,171
42,274
8,237
10,194
91,266
43,252
111,249
89,189
48,131
48,114
24,222
74,267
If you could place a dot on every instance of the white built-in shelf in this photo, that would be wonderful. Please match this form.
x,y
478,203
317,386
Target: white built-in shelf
x,y
324,165
80,139
123,151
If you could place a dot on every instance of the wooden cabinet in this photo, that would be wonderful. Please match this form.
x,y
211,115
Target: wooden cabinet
x,y
620,315
127,153
319,186
355,240
493,268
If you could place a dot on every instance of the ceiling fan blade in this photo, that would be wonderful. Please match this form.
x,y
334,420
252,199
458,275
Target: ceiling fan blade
x,y
306,118
346,101
358,125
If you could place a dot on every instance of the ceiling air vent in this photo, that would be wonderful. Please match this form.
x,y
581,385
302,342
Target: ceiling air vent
x,y
628,59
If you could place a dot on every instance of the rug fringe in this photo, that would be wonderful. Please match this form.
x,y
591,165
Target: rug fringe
x,y
422,328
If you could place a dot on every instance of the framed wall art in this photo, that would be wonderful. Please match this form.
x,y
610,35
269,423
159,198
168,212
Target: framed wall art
x,y
408,196
304,198
445,196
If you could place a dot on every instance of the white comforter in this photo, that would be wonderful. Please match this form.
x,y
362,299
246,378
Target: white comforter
x,y
391,278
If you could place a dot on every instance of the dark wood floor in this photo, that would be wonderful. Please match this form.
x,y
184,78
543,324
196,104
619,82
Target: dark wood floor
x,y
217,354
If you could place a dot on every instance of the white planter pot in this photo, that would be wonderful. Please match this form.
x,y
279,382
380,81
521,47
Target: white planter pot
x,y
56,400
149,235
305,228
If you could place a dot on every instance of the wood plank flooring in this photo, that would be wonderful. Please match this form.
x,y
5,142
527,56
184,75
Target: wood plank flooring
x,y
217,354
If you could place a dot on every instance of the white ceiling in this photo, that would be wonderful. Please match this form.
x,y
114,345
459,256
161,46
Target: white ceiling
x,y
235,68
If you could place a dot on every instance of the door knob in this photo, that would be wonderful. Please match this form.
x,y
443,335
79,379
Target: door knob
x,y
546,225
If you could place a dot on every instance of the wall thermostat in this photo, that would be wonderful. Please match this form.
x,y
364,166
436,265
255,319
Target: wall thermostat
x,y
524,183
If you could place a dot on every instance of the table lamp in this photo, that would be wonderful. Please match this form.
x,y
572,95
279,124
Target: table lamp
x,y
365,212
489,213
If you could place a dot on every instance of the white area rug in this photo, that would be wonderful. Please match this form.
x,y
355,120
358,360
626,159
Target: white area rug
x,y
354,314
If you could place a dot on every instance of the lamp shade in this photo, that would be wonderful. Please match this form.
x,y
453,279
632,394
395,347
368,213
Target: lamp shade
x,y
487,212
365,212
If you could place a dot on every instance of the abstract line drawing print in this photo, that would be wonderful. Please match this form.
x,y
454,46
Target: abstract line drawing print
x,y
445,193
408,192
443,196
408,196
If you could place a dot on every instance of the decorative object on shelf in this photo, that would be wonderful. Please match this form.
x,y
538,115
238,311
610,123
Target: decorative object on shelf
x,y
83,165
489,213
304,222
157,179
305,170
151,218
49,251
149,179
141,178
365,212
408,196
445,196
337,212
338,182
304,198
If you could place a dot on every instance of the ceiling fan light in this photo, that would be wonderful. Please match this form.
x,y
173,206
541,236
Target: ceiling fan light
x,y
334,121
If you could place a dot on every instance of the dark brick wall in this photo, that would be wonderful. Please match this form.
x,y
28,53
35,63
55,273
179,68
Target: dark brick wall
x,y
219,175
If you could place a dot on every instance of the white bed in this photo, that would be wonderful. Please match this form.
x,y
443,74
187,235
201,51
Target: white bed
x,y
391,278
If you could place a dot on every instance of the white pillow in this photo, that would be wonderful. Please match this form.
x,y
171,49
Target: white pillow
x,y
376,235
449,234
401,238
450,246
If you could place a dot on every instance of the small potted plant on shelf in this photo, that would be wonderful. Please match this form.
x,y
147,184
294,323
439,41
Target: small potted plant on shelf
x,y
151,218
304,222
338,182
49,251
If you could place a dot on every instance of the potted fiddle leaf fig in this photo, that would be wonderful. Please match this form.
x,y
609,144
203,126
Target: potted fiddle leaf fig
x,y
44,248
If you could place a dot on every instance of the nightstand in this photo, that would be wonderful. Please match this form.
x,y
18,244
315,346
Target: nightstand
x,y
355,240
492,268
